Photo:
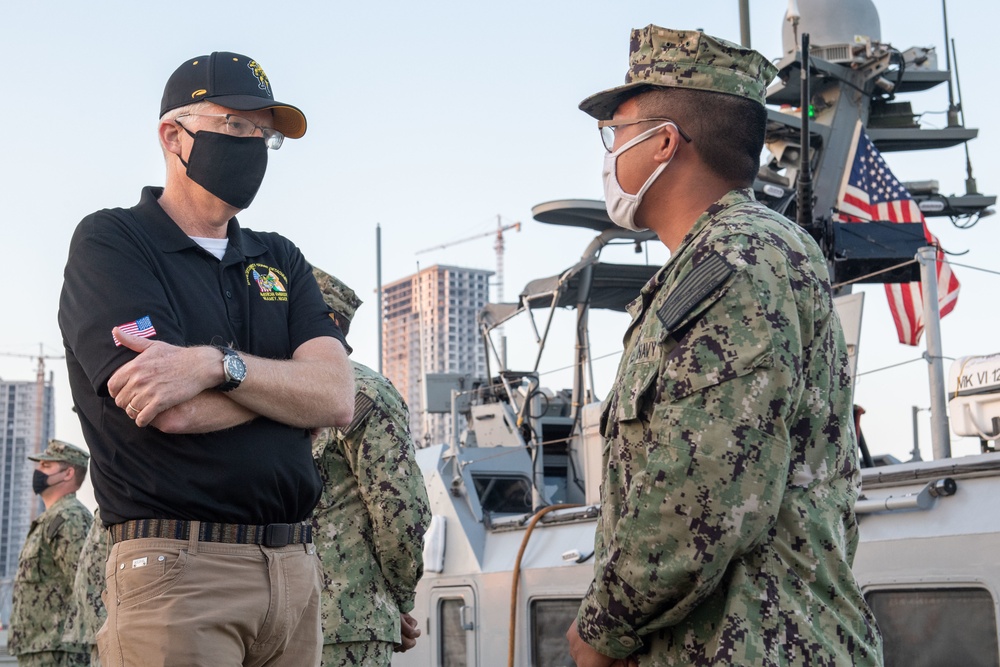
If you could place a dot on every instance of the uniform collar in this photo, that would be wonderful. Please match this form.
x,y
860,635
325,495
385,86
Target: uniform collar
x,y
68,499
170,238
731,198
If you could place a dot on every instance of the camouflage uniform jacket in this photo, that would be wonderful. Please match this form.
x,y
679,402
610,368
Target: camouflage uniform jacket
x,y
88,607
727,529
44,582
369,524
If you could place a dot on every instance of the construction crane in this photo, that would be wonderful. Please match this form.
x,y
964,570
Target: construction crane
x,y
39,390
40,443
497,245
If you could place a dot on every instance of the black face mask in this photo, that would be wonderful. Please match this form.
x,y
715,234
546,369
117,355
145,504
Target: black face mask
x,y
231,168
40,481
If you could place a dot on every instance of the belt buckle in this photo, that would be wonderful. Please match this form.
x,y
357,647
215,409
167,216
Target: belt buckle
x,y
277,535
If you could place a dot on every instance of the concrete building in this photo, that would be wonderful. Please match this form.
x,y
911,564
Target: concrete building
x,y
25,409
429,326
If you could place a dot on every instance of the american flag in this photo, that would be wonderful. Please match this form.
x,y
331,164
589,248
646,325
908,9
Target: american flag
x,y
141,327
873,193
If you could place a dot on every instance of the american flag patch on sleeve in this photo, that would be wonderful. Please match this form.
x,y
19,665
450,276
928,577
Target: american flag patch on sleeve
x,y
142,327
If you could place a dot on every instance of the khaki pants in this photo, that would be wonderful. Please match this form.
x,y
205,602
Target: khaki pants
x,y
177,603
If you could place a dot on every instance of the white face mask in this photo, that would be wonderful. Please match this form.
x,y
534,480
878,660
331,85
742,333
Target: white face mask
x,y
620,204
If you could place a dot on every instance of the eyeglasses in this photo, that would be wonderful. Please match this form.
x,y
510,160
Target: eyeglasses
x,y
238,126
608,127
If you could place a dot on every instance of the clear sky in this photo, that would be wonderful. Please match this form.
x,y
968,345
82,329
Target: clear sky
x,y
430,119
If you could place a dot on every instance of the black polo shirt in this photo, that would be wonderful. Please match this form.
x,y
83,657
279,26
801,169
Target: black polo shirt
x,y
136,265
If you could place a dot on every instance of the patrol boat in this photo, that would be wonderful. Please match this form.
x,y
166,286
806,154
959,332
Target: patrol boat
x,y
514,497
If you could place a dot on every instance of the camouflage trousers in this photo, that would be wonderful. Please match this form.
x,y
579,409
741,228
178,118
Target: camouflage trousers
x,y
53,659
348,654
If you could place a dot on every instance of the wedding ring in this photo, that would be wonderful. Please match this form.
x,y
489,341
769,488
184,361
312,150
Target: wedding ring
x,y
131,407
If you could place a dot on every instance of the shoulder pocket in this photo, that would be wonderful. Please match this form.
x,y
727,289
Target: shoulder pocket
x,y
631,391
634,382
635,386
726,336
30,569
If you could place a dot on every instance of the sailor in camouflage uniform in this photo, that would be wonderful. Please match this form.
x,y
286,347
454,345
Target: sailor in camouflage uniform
x,y
369,525
47,564
88,607
727,528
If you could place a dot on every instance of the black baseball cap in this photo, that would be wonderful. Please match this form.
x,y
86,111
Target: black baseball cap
x,y
230,80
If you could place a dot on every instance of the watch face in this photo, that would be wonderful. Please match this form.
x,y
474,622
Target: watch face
x,y
235,367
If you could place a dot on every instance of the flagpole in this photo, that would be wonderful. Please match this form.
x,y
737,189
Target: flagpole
x,y
940,441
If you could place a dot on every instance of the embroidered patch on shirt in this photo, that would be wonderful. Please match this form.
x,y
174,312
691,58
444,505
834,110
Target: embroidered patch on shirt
x,y
270,281
644,350
693,288
142,327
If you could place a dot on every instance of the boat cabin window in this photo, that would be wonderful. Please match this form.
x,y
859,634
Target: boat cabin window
x,y
937,626
453,636
549,620
503,494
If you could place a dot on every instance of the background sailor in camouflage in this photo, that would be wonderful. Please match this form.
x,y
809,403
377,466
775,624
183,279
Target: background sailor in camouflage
x,y
47,565
727,527
88,611
370,521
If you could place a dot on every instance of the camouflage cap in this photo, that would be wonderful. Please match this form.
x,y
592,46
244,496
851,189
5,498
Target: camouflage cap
x,y
337,295
662,57
64,452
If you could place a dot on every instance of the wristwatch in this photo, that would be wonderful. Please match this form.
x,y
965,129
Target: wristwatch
x,y
233,369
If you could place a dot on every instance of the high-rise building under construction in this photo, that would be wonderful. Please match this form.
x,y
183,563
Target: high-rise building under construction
x,y
429,326
28,421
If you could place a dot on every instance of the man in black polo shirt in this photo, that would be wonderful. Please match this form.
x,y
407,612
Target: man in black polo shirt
x,y
200,355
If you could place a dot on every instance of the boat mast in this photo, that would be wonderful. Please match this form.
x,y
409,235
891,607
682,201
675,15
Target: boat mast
x,y
940,442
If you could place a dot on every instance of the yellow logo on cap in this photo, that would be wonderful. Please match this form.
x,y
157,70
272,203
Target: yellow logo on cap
x,y
258,72
200,91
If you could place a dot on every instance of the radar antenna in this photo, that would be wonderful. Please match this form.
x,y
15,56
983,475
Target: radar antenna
x,y
970,181
793,16
952,107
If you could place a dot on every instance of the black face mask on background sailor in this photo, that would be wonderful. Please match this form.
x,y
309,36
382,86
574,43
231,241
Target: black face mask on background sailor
x,y
231,168
40,481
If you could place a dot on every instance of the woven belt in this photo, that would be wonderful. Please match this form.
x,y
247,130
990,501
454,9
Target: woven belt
x,y
271,535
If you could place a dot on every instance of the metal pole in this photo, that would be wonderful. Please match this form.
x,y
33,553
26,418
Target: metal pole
x,y
498,246
455,447
915,454
745,23
538,496
378,287
940,443
582,354
804,190
952,109
418,287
